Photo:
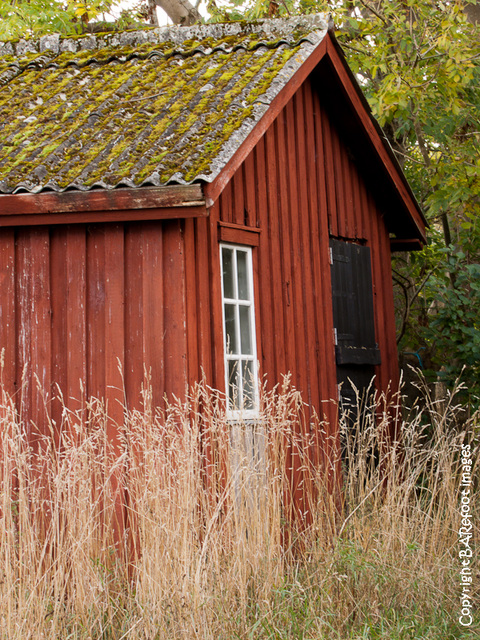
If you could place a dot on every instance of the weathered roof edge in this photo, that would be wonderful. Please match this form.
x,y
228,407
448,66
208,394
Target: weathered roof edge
x,y
279,98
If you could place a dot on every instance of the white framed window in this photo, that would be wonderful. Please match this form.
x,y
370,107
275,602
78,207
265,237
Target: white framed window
x,y
240,348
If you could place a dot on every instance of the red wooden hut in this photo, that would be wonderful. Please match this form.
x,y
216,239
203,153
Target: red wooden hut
x,y
213,198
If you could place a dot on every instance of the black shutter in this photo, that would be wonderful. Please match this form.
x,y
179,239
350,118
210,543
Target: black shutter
x,y
353,314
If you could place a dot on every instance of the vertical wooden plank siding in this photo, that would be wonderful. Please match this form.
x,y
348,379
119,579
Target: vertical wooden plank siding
x,y
75,316
90,308
323,179
238,192
350,221
144,321
114,329
204,299
8,354
152,353
285,208
340,184
250,195
191,296
40,319
134,316
175,353
303,177
271,245
362,221
58,280
215,311
371,233
306,187
32,328
114,332
8,310
264,305
298,279
387,377
226,202
327,178
96,311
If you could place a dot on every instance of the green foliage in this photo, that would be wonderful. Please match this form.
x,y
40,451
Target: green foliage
x,y
39,17
454,321
34,18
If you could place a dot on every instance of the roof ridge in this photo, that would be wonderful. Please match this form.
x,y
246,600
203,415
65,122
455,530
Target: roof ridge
x,y
16,67
55,44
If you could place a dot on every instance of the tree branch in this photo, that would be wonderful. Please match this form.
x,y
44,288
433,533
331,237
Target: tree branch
x,y
368,6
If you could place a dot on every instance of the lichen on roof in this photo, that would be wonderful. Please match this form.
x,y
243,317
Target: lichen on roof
x,y
140,108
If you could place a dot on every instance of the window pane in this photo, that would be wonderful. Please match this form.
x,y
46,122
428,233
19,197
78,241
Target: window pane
x,y
248,385
227,266
242,274
245,331
233,382
230,329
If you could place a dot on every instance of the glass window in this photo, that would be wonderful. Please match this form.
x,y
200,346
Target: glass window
x,y
227,271
241,374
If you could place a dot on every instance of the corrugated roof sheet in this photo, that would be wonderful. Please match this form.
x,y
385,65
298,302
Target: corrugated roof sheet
x,y
139,108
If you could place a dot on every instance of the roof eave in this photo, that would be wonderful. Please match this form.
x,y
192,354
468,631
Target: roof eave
x,y
102,205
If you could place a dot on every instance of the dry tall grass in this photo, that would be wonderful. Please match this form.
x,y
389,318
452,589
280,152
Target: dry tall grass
x,y
208,508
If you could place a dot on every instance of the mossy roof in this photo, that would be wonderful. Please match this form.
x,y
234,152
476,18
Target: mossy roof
x,y
152,107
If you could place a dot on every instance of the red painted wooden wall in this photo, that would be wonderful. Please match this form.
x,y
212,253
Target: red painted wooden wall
x,y
300,186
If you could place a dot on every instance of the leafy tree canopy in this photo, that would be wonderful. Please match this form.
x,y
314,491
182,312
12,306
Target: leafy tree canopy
x,y
33,18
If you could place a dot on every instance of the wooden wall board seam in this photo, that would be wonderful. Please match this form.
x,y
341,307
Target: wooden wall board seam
x,y
294,116
284,235
202,280
153,303
134,375
175,353
265,309
216,311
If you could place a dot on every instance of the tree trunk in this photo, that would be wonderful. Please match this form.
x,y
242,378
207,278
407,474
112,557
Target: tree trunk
x,y
180,11
472,11
152,12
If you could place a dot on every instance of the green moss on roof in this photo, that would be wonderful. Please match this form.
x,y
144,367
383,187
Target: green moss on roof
x,y
121,113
